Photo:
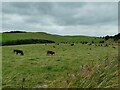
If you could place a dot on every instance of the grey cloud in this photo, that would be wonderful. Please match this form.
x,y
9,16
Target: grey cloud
x,y
21,8
64,13
32,15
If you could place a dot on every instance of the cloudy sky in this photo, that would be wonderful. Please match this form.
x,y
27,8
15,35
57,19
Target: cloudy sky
x,y
62,18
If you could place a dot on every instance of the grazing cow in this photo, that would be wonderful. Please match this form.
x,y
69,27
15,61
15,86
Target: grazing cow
x,y
89,44
50,53
113,47
106,45
19,51
98,44
72,44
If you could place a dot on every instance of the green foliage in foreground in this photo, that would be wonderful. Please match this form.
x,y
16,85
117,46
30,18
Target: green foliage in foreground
x,y
78,66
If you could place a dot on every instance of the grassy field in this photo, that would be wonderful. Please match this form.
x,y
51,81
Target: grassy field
x,y
78,66
46,36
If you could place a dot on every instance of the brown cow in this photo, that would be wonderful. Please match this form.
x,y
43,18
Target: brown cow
x,y
50,53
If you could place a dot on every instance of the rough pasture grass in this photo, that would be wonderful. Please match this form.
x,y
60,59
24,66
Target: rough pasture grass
x,y
67,68
1,68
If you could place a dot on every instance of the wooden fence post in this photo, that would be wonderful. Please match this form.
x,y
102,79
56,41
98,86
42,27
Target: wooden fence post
x,y
23,83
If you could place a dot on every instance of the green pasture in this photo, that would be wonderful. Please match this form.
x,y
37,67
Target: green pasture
x,y
62,70
46,36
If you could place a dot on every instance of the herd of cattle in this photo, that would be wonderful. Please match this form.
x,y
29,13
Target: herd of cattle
x,y
49,52
21,52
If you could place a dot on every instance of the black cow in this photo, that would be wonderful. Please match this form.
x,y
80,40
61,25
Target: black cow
x,y
106,45
113,47
50,53
19,51
72,44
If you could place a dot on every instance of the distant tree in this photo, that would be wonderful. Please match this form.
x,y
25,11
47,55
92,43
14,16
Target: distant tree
x,y
16,32
26,41
107,37
116,37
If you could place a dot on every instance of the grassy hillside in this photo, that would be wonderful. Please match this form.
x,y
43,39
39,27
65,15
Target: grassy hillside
x,y
78,66
46,36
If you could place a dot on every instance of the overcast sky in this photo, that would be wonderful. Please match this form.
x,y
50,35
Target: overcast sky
x,y
62,18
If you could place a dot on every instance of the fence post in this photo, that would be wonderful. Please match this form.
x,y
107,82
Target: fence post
x,y
23,83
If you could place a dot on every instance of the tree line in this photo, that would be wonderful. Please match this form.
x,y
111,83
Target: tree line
x,y
115,37
15,32
26,41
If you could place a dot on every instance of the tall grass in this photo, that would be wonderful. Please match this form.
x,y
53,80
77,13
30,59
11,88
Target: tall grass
x,y
101,75
78,66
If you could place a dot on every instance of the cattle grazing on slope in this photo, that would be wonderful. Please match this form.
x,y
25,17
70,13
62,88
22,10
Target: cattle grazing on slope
x,y
50,52
18,52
